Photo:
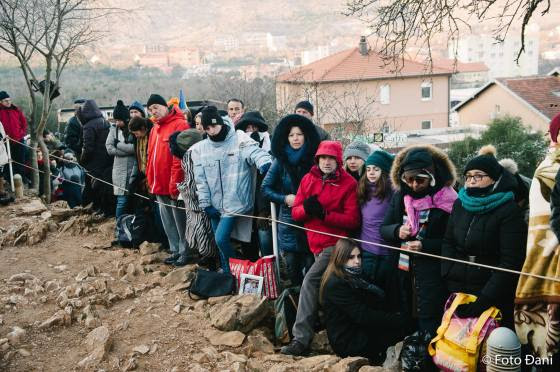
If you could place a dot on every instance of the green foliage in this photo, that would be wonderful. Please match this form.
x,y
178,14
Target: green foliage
x,y
511,139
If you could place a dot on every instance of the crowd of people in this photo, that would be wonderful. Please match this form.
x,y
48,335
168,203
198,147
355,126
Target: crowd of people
x,y
191,178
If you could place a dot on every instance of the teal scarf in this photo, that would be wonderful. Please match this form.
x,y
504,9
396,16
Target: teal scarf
x,y
480,205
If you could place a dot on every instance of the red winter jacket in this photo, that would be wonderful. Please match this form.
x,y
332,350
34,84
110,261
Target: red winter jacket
x,y
338,196
163,170
14,122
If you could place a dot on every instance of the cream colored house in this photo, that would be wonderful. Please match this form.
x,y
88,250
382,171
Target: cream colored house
x,y
354,91
534,99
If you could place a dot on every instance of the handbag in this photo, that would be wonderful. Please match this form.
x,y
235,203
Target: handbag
x,y
460,341
264,267
208,283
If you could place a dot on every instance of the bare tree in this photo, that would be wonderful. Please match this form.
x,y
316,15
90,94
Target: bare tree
x,y
44,35
403,23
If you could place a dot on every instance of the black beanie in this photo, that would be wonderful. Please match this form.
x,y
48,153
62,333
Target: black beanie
x,y
486,163
417,159
4,95
306,105
156,99
211,116
121,112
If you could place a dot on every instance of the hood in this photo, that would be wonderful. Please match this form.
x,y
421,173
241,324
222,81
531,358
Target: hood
x,y
330,148
445,172
280,135
174,114
137,106
89,111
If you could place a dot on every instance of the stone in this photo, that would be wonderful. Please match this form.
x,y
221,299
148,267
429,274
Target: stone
x,y
37,233
153,349
89,271
141,349
33,207
320,343
211,352
131,269
200,358
392,361
153,258
99,339
373,369
218,300
16,335
148,248
238,367
230,357
130,365
180,287
351,364
24,352
241,313
199,305
317,363
21,277
61,317
178,308
60,268
259,343
232,339
180,275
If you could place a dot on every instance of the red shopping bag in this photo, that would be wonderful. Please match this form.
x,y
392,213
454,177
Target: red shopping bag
x,y
264,267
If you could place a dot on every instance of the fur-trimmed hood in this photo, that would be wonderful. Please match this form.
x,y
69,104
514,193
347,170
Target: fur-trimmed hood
x,y
445,172
280,136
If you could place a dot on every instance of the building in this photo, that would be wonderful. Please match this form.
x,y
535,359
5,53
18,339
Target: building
x,y
354,90
499,57
534,99
465,74
312,55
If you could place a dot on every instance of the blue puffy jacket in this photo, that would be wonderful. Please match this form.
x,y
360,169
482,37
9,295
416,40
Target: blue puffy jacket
x,y
225,171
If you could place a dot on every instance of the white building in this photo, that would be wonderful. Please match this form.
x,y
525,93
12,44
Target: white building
x,y
500,57
312,55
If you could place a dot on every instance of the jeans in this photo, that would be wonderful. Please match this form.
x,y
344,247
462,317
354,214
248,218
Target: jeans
x,y
222,227
309,299
296,263
265,241
376,268
174,222
121,205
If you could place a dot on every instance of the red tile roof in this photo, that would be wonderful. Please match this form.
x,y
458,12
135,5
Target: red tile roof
x,y
459,67
350,65
541,92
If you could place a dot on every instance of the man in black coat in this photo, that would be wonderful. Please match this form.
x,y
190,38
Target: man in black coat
x,y
73,136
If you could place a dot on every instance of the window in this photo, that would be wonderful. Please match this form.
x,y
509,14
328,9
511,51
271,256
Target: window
x,y
426,124
385,94
426,91
497,109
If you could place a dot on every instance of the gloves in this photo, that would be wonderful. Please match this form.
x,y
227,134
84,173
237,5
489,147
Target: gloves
x,y
212,212
255,136
473,309
264,168
313,207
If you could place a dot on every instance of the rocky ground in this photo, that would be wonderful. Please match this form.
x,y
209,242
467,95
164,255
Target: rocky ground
x,y
68,301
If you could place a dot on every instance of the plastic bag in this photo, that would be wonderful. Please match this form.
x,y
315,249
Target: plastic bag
x,y
414,354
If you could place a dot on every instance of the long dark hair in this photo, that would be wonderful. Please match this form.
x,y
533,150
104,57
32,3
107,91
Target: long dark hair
x,y
339,258
382,189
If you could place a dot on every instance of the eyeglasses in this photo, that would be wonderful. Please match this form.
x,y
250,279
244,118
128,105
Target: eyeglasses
x,y
411,180
475,177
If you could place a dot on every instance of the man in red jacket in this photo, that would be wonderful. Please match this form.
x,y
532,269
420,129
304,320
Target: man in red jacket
x,y
164,172
326,201
15,125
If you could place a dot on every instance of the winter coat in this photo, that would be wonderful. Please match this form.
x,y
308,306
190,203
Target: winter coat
x,y
163,169
3,142
337,195
373,212
430,289
94,158
14,122
225,173
355,319
69,170
496,238
73,136
124,164
283,179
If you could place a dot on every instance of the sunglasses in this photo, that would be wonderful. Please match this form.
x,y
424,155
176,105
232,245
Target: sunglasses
x,y
411,179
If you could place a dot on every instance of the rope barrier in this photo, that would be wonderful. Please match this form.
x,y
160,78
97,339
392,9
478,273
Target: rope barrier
x,y
270,219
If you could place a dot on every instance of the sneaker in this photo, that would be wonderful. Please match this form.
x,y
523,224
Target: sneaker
x,y
171,259
294,348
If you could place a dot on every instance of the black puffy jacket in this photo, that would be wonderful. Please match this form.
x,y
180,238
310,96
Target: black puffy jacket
x,y
94,158
496,238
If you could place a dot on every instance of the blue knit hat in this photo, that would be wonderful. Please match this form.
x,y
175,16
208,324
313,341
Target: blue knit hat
x,y
381,159
137,106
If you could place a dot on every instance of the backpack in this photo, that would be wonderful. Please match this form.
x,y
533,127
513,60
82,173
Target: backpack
x,y
285,309
124,229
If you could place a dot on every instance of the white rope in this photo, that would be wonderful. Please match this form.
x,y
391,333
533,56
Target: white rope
x,y
444,258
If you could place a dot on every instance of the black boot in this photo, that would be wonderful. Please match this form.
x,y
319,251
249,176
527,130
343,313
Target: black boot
x,y
185,259
171,259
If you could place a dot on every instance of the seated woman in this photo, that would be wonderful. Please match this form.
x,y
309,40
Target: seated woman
x,y
357,322
486,226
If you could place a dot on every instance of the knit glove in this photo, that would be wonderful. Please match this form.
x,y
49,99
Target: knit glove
x,y
264,168
313,207
473,309
212,212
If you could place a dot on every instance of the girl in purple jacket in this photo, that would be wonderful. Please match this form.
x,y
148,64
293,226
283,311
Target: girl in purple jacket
x,y
374,196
